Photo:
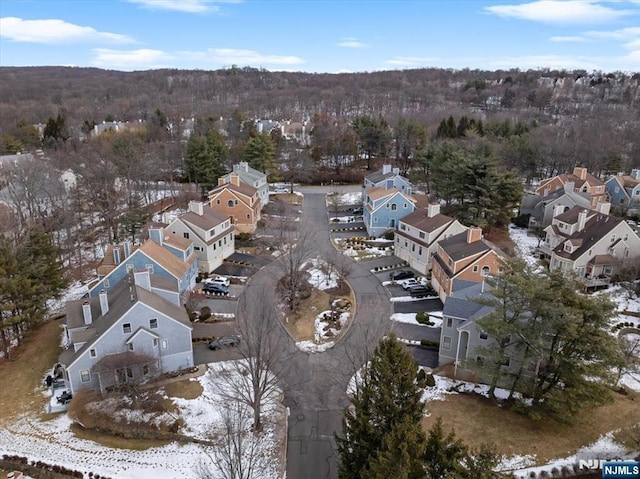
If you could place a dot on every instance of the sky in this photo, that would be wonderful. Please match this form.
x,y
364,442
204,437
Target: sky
x,y
328,36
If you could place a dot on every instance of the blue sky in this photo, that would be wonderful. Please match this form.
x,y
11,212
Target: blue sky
x,y
322,35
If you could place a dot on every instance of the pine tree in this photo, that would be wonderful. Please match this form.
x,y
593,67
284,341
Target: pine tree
x,y
382,433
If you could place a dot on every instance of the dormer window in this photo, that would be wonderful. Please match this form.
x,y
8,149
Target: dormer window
x,y
568,247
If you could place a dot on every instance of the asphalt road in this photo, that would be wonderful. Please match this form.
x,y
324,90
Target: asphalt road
x,y
426,305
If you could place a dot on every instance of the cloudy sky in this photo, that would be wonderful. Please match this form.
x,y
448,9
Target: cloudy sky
x,y
322,35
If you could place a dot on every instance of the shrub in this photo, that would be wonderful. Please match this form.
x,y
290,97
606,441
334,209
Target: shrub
x,y
243,237
431,381
422,317
522,221
429,344
389,235
421,375
205,313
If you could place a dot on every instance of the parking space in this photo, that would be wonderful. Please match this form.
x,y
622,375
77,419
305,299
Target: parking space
x,y
202,332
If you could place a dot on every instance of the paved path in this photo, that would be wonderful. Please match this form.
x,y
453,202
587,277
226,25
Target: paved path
x,y
315,384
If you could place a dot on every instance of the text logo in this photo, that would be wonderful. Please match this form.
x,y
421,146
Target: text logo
x,y
621,470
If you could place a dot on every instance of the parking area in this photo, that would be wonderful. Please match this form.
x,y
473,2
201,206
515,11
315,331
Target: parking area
x,y
202,332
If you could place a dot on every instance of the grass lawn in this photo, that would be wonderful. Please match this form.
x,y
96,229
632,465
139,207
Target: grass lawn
x,y
301,323
478,420
23,376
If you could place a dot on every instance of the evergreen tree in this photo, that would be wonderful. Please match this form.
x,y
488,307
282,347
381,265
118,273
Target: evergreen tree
x,y
382,433
55,132
204,158
259,152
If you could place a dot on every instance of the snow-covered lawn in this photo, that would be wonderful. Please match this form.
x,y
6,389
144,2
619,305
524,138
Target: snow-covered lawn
x,y
325,331
54,442
410,318
350,198
525,244
318,276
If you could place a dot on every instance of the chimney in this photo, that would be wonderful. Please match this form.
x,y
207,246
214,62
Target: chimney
x,y
196,207
116,255
558,210
603,208
86,312
433,210
221,181
580,172
242,166
104,304
386,169
569,186
156,234
396,171
474,234
126,246
582,219
235,179
142,278
635,173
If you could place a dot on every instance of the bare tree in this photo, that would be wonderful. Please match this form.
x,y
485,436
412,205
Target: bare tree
x,y
235,453
252,379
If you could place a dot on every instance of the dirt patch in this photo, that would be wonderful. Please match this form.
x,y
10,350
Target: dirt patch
x,y
478,420
184,389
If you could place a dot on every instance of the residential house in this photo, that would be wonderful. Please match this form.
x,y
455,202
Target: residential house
x,y
237,200
210,231
624,191
463,342
384,208
251,177
125,335
590,244
543,209
583,181
465,256
388,178
171,261
418,234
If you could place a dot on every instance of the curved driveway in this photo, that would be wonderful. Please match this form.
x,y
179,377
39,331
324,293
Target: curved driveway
x,y
315,384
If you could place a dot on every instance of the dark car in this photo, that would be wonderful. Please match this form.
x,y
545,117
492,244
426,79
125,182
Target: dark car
x,y
357,211
224,341
420,291
215,288
402,274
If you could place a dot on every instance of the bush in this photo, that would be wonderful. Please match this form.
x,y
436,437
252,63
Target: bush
x,y
422,317
421,375
431,381
521,221
429,344
389,235
205,313
243,237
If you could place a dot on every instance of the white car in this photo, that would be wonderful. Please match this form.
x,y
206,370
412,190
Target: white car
x,y
407,283
218,280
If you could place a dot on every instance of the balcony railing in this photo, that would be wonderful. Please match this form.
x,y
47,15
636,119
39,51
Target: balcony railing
x,y
595,282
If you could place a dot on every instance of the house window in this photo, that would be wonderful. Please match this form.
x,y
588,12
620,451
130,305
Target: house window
x,y
403,227
421,235
405,206
186,235
480,361
394,207
406,245
145,370
626,237
475,268
375,219
230,203
420,251
155,342
449,322
105,283
85,377
450,262
485,271
130,346
149,268
386,206
153,323
236,201
218,201
126,328
130,373
484,336
92,353
397,239
617,189
165,344
622,201
413,247
446,344
248,216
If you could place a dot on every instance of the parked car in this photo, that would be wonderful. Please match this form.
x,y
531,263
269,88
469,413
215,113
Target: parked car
x,y
402,274
408,283
215,288
357,211
224,341
420,291
218,279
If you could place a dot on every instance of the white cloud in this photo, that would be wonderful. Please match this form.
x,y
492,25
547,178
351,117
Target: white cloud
x,y
351,43
623,34
231,56
576,39
560,11
412,61
54,31
187,6
131,59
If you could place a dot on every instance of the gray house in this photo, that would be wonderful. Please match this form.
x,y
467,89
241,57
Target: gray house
x,y
387,178
463,342
126,335
543,209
